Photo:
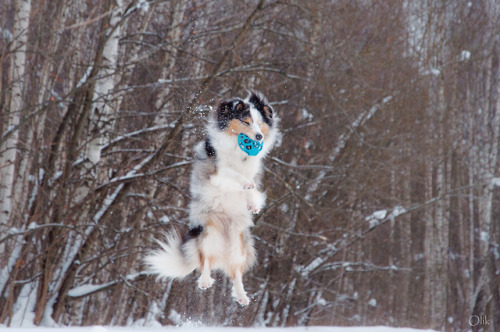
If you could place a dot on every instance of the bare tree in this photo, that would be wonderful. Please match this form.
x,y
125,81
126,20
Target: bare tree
x,y
17,80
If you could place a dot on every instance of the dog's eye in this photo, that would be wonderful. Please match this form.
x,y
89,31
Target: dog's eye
x,y
246,122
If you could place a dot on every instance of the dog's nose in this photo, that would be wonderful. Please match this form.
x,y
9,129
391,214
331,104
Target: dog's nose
x,y
258,137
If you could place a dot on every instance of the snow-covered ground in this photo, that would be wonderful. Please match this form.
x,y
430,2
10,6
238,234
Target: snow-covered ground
x,y
210,329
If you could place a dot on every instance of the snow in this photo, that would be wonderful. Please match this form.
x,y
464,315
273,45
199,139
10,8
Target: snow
x,y
87,289
380,216
360,120
200,328
107,203
376,217
284,207
496,182
304,271
464,55
397,211
306,116
143,5
386,100
7,35
84,78
7,270
137,132
164,220
432,71
485,236
24,307
321,301
41,174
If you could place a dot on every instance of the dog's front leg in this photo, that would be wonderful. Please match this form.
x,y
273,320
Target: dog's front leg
x,y
255,200
228,179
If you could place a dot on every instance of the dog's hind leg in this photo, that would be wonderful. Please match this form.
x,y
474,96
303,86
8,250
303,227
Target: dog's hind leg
x,y
238,291
205,281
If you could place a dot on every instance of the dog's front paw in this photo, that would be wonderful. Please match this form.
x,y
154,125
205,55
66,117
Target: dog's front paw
x,y
253,208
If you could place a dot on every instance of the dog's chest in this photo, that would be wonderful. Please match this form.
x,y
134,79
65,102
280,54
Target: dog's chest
x,y
246,166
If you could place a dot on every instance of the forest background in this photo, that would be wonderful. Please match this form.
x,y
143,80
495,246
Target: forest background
x,y
383,198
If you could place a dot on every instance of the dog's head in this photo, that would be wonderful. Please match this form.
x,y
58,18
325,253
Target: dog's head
x,y
248,124
252,117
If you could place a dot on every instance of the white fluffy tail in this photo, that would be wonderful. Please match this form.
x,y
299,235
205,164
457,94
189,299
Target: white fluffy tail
x,y
175,259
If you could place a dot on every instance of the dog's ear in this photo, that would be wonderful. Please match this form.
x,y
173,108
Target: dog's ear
x,y
225,108
258,100
261,104
239,106
268,111
228,106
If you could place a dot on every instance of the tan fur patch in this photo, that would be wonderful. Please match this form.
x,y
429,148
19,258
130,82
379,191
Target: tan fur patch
x,y
212,224
204,259
248,119
265,129
209,171
242,243
201,258
234,269
220,225
235,127
268,111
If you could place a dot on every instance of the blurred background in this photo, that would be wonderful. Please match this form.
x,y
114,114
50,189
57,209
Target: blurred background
x,y
383,198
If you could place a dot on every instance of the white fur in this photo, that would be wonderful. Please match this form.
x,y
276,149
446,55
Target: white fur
x,y
224,197
170,262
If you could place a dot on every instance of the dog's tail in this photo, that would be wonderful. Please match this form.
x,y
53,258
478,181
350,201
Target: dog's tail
x,y
175,259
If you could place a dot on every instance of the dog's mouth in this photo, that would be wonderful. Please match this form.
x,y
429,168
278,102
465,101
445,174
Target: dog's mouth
x,y
249,146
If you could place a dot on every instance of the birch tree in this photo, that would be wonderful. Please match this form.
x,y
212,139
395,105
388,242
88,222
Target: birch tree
x,y
11,136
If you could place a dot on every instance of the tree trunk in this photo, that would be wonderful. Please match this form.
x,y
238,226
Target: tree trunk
x,y
8,150
103,103
486,169
428,247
